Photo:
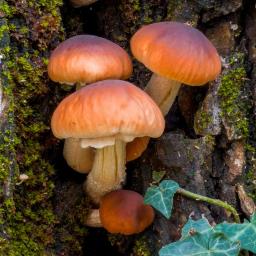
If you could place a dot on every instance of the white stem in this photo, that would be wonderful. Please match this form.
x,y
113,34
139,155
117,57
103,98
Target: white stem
x,y
79,159
93,219
108,171
163,91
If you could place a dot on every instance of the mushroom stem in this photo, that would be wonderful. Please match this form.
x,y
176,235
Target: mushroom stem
x,y
163,91
108,171
78,158
93,219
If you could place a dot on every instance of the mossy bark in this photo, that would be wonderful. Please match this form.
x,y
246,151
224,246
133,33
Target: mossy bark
x,y
29,223
44,214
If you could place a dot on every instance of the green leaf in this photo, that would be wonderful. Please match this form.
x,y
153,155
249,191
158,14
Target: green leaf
x,y
245,233
200,245
161,197
201,226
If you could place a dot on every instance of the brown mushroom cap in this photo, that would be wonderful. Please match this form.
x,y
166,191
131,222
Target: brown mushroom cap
x,y
110,108
86,59
123,211
176,51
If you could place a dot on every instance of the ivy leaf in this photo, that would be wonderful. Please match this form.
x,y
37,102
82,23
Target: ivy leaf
x,y
161,197
199,245
245,233
201,226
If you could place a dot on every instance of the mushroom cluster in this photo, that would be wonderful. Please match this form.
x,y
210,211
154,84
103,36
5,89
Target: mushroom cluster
x,y
81,60
110,121
106,115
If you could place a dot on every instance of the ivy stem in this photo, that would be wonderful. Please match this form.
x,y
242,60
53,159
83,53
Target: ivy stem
x,y
209,200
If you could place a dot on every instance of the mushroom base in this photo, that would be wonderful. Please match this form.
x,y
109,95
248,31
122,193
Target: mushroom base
x,y
163,91
93,219
108,171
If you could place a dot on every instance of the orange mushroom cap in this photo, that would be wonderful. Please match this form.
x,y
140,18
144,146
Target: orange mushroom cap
x,y
110,108
123,211
176,51
86,59
135,148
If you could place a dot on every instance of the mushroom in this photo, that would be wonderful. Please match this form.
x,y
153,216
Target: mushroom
x,y
176,53
80,3
124,212
121,211
106,115
79,159
86,59
135,148
80,60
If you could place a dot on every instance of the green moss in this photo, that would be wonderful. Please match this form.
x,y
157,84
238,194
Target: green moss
x,y
3,29
210,140
233,108
137,13
172,8
203,120
5,9
250,176
141,248
136,5
27,215
251,183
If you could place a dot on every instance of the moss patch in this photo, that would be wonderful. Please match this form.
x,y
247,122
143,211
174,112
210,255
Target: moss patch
x,y
233,104
29,223
141,248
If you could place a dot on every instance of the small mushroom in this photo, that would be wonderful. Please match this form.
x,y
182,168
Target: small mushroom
x,y
23,177
106,115
176,53
86,59
80,3
80,60
124,212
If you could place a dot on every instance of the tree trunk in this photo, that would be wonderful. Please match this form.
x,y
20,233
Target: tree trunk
x,y
208,146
